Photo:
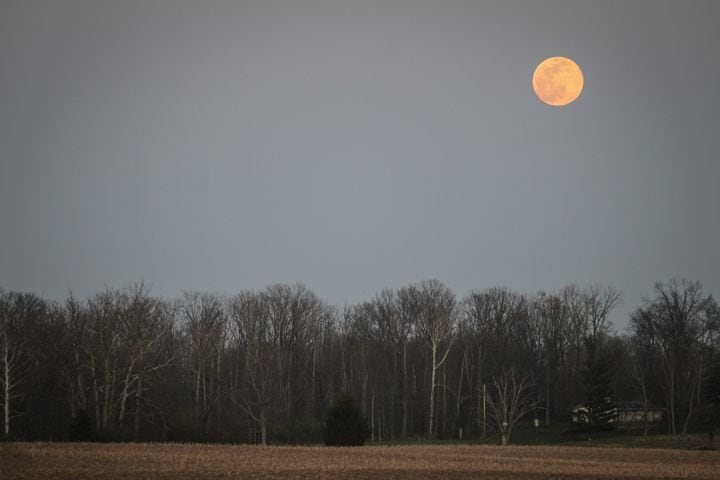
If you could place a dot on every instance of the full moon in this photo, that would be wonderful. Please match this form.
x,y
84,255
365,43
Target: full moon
x,y
558,81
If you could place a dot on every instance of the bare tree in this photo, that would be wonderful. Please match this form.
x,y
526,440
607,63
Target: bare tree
x,y
18,311
574,298
205,323
104,354
392,325
433,306
493,322
670,327
146,323
511,400
256,346
75,319
553,320
10,350
278,333
640,369
598,303
587,310
295,314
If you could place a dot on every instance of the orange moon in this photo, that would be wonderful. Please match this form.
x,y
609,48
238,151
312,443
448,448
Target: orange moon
x,y
558,81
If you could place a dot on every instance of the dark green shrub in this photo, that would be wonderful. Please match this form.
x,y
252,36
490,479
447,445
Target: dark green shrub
x,y
345,424
304,431
81,428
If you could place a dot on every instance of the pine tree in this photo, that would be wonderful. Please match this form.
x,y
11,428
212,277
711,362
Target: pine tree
x,y
345,424
596,377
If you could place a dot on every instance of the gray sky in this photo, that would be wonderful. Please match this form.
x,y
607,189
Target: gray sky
x,y
354,145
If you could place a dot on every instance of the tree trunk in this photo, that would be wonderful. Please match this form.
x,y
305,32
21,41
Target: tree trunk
x,y
372,415
107,399
197,392
480,419
138,411
484,411
288,389
216,394
671,394
6,383
404,428
263,427
311,402
458,399
124,396
686,423
96,394
547,400
444,401
432,392
645,407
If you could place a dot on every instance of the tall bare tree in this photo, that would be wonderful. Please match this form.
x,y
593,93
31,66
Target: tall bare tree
x,y
433,307
19,312
598,303
391,324
257,349
103,350
146,323
670,327
205,323
75,374
553,320
493,324
511,400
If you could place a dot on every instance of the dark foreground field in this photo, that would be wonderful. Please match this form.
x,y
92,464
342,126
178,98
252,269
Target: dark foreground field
x,y
170,461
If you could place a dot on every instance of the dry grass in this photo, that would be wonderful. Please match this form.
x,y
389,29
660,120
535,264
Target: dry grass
x,y
168,461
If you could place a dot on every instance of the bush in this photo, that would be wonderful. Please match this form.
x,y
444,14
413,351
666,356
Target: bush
x,y
345,424
308,431
81,429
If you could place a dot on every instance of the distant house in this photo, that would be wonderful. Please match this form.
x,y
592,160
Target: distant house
x,y
628,413
634,412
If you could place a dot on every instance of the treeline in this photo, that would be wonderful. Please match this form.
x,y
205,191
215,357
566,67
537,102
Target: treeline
x,y
265,366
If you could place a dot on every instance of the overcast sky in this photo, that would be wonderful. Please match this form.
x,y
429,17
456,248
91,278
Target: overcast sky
x,y
356,145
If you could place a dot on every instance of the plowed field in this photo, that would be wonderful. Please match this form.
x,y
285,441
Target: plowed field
x,y
170,461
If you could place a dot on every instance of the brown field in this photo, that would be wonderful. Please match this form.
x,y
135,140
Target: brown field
x,y
175,461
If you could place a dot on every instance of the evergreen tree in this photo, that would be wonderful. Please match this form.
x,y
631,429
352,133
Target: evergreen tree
x,y
596,378
345,424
